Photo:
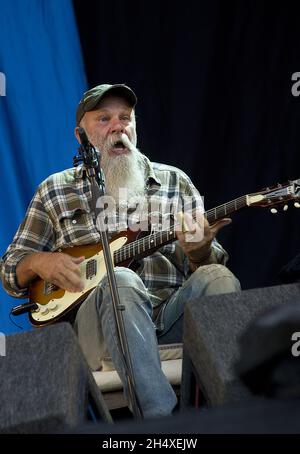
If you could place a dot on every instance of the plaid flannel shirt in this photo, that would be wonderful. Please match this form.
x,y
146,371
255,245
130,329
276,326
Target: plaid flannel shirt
x,y
60,215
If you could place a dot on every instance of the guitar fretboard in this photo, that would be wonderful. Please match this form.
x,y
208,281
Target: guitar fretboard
x,y
157,239
224,210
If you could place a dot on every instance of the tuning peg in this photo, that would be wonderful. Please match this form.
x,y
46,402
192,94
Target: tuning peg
x,y
273,211
285,208
297,205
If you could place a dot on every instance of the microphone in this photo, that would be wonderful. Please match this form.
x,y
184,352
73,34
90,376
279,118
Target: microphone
x,y
83,138
88,155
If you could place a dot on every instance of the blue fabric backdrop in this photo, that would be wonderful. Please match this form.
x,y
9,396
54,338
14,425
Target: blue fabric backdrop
x,y
40,57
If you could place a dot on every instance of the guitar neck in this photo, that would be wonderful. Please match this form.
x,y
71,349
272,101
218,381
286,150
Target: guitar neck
x,y
224,210
155,240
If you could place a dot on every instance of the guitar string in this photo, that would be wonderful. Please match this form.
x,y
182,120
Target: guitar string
x,y
152,238
166,233
129,249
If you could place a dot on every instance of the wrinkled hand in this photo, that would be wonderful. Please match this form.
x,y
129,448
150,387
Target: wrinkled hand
x,y
59,269
195,238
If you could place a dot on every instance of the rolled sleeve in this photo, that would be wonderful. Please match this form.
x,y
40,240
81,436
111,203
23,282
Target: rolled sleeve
x,y
217,255
219,252
9,276
34,234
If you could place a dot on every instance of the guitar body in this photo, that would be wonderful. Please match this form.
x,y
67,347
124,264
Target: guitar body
x,y
55,303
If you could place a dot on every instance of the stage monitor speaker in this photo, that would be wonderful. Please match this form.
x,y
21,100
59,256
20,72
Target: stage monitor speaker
x,y
46,384
213,326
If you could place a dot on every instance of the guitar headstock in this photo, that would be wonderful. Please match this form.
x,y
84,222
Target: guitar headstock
x,y
276,195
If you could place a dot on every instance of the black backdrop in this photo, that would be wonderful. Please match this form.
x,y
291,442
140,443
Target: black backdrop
x,y
213,79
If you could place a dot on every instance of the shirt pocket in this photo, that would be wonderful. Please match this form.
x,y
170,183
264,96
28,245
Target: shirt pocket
x,y
76,226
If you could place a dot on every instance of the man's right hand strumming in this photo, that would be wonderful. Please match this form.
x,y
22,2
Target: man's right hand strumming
x,y
57,268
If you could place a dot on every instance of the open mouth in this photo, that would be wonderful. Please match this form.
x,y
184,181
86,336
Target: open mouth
x,y
119,148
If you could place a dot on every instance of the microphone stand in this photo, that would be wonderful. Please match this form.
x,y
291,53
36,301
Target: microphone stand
x,y
91,161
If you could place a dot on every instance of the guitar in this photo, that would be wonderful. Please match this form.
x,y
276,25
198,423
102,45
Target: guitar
x,y
53,303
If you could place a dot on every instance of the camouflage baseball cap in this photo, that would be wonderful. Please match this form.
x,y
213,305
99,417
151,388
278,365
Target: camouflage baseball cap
x,y
93,96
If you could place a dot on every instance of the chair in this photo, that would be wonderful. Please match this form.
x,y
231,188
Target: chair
x,y
110,383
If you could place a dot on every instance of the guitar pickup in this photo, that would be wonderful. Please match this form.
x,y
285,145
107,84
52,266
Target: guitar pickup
x,y
49,288
91,269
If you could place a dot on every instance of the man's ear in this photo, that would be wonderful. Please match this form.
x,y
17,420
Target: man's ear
x,y
77,134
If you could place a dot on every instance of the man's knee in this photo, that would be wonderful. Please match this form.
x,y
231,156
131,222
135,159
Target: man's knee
x,y
216,278
131,289
124,278
130,286
214,270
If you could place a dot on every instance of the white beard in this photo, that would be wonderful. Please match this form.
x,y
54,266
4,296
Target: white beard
x,y
124,174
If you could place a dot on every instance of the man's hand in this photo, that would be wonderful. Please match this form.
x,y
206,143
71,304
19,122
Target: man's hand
x,y
55,267
195,238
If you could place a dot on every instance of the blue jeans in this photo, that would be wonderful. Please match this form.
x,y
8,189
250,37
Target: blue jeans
x,y
96,329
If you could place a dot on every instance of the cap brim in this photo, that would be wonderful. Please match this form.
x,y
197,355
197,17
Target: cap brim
x,y
120,90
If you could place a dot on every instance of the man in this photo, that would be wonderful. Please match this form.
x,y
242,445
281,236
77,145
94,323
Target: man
x,y
154,294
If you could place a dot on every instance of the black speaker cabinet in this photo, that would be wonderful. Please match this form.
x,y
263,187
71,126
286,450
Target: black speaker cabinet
x,y
46,384
212,329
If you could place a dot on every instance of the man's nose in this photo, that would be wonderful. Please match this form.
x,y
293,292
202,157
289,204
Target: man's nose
x,y
117,126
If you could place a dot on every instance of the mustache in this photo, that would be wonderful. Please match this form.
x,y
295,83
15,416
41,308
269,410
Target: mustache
x,y
126,141
105,145
114,138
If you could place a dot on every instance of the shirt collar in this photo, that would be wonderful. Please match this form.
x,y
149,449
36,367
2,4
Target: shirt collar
x,y
150,173
79,172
